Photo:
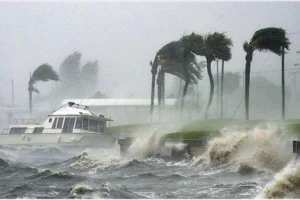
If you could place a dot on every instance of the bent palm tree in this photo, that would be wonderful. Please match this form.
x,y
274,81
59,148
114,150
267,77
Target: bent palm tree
x,y
267,39
190,45
43,73
171,58
169,51
212,47
225,57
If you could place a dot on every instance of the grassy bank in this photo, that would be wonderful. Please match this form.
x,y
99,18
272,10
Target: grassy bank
x,y
206,129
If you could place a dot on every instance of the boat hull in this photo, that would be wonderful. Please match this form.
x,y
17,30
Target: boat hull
x,y
99,140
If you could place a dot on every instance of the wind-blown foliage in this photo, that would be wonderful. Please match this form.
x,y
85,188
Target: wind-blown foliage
x,y
43,73
267,39
70,75
211,46
89,77
77,81
174,58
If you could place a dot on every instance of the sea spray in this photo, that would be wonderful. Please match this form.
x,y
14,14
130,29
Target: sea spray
x,y
153,145
286,183
144,145
263,148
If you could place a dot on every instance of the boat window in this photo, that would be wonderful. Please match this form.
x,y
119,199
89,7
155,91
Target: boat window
x,y
93,125
78,124
17,130
60,122
54,123
85,124
38,130
68,125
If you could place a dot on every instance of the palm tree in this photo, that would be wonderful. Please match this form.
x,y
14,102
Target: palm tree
x,y
212,47
43,73
190,45
266,39
169,51
225,57
171,58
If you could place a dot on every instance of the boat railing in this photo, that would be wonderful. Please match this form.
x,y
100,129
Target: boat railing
x,y
24,121
42,130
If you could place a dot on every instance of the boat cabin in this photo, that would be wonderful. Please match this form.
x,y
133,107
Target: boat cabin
x,y
71,118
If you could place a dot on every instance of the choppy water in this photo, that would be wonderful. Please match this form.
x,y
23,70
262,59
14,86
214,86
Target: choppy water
x,y
258,163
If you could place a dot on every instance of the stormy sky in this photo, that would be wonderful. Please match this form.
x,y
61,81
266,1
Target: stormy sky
x,y
125,36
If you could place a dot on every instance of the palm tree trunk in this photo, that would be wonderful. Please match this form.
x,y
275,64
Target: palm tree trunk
x,y
30,89
153,71
163,91
218,106
222,88
187,80
212,87
283,85
247,82
152,93
159,93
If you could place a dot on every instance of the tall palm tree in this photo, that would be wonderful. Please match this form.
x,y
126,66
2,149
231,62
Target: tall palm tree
x,y
170,51
225,57
212,47
266,39
171,58
190,45
43,73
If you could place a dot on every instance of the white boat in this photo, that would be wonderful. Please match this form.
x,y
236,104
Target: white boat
x,y
72,124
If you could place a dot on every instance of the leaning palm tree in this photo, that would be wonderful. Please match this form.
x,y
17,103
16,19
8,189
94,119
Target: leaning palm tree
x,y
190,45
43,73
172,52
225,57
212,47
169,51
175,68
267,39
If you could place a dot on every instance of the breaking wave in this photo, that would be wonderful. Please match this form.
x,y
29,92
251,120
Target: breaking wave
x,y
152,145
286,183
262,149
105,190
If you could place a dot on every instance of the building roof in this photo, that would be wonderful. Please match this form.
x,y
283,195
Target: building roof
x,y
117,102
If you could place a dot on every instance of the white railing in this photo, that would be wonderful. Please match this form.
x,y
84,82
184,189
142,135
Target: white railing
x,y
48,130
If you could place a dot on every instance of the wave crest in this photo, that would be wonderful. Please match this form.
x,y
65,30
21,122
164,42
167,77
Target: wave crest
x,y
260,149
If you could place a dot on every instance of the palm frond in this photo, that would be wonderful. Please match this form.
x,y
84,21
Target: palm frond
x,y
246,46
217,46
171,51
270,39
44,73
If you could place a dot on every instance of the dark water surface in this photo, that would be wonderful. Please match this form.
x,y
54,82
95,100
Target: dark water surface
x,y
51,172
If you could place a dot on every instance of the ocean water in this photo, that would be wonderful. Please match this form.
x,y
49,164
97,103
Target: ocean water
x,y
253,164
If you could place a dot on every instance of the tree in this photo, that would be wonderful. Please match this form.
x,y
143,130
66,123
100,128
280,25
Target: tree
x,y
43,73
170,51
189,46
212,47
69,72
89,77
225,57
267,39
174,59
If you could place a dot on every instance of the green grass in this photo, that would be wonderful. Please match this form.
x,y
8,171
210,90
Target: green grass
x,y
205,129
